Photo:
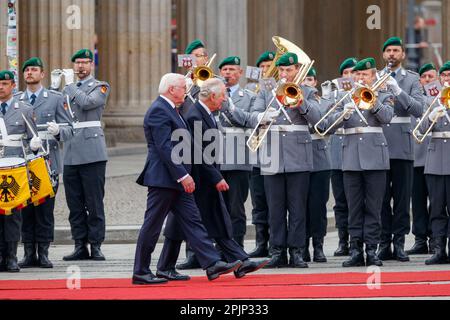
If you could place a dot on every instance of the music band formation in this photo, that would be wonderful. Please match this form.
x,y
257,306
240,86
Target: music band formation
x,y
377,136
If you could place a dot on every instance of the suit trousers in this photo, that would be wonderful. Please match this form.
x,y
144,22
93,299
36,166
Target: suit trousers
x,y
341,207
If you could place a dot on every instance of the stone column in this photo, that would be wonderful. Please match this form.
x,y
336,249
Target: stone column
x,y
54,29
134,52
221,25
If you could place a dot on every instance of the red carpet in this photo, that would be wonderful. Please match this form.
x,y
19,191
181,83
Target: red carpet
x,y
339,285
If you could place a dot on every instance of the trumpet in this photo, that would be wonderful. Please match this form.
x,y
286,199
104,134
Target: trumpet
x,y
200,74
443,99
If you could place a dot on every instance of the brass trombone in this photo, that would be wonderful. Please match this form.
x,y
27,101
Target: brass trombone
x,y
443,99
200,74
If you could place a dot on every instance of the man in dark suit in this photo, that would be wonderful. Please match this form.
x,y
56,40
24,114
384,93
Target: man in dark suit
x,y
170,186
210,182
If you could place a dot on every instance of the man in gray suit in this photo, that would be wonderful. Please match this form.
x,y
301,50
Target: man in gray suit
x,y
85,157
286,163
406,88
365,159
38,221
437,173
13,129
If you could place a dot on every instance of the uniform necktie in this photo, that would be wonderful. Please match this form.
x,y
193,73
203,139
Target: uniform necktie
x,y
393,74
229,92
4,105
33,99
79,84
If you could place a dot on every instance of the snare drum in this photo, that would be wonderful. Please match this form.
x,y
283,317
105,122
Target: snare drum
x,y
14,187
40,182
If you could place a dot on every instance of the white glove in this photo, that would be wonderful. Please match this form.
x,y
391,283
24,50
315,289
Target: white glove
x,y
349,108
393,86
53,128
326,89
69,76
56,76
35,143
269,116
437,113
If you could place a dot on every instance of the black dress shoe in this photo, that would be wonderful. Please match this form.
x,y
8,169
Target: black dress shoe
x,y
147,279
191,262
96,253
220,268
172,275
250,266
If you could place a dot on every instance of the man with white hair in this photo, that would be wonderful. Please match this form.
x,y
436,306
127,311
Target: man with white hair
x,y
170,187
210,185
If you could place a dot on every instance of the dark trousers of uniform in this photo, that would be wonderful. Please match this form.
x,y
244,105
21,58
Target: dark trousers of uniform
x,y
421,227
318,195
396,221
159,202
231,250
260,210
235,200
439,193
365,191
85,188
38,223
10,227
287,196
341,207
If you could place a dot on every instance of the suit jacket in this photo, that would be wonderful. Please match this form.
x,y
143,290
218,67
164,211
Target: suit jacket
x,y
49,107
86,145
408,103
160,121
210,202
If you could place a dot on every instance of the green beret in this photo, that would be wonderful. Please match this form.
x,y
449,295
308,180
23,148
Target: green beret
x,y
6,75
194,45
365,64
426,67
83,54
266,56
445,67
230,61
33,62
312,73
394,41
348,63
287,59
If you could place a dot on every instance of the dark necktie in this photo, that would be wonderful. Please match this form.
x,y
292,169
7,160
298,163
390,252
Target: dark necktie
x,y
393,74
213,119
33,99
4,105
79,84
229,92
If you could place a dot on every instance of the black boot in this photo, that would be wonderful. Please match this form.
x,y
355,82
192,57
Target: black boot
x,y
306,254
30,259
319,256
439,256
262,239
12,265
81,252
431,246
399,249
384,251
296,258
278,258
371,256
356,255
44,261
420,247
191,261
342,249
96,253
3,255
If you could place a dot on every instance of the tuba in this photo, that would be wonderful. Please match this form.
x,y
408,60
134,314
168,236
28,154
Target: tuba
x,y
286,93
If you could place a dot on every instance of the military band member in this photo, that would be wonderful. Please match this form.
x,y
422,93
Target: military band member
x,y
337,178
85,157
286,168
236,166
421,216
319,184
408,93
365,159
437,174
260,210
38,221
11,111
